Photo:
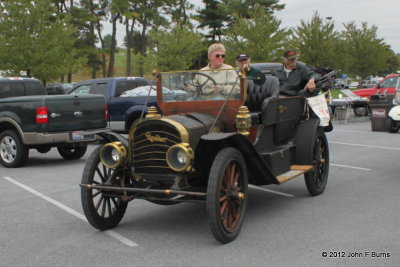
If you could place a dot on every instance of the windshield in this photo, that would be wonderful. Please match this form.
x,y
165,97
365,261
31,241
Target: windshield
x,y
389,83
201,85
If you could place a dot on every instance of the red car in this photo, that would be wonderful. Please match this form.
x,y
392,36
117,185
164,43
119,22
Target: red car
x,y
386,86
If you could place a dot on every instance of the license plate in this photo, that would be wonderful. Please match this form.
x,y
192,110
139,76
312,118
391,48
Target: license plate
x,y
76,136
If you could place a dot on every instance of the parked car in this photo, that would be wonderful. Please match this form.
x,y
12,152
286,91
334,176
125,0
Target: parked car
x,y
124,110
144,91
30,119
208,151
352,85
339,84
368,84
58,88
386,86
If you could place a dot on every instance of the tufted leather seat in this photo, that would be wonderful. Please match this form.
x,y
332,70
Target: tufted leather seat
x,y
256,94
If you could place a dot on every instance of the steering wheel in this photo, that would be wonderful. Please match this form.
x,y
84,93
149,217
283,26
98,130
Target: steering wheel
x,y
199,86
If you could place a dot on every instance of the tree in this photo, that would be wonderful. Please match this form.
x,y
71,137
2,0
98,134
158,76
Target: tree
x,y
212,16
176,49
243,8
33,39
366,52
260,37
318,43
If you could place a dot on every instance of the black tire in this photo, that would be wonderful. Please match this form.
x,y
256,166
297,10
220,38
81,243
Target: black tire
x,y
13,153
43,149
317,178
110,209
227,194
72,151
392,126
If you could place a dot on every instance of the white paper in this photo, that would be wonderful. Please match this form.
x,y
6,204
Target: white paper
x,y
320,107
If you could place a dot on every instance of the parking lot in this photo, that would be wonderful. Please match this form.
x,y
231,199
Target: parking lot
x,y
355,222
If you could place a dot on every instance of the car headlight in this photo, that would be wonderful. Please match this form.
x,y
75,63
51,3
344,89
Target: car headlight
x,y
179,157
112,155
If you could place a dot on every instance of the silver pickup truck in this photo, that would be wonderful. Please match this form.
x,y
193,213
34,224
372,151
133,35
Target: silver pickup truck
x,y
29,119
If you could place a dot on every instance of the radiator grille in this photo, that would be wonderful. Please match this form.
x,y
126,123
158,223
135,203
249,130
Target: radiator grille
x,y
150,144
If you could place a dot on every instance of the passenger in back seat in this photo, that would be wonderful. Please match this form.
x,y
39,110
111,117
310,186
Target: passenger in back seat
x,y
253,73
295,78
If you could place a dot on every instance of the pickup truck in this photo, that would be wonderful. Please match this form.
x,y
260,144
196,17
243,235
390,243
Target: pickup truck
x,y
30,119
123,112
386,86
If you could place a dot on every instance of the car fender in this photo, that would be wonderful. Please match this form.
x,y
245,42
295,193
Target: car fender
x,y
394,113
304,140
134,113
11,120
210,144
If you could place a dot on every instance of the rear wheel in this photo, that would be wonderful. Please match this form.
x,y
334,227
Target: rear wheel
x,y
13,153
227,194
392,126
72,151
317,178
103,210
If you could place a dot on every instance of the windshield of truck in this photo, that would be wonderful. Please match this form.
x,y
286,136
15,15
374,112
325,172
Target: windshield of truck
x,y
201,85
389,82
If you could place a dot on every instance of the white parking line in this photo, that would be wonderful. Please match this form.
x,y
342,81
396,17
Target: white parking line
x,y
351,167
270,191
351,144
111,233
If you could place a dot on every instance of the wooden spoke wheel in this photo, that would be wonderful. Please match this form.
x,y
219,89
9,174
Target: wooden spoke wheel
x,y
227,194
317,178
103,210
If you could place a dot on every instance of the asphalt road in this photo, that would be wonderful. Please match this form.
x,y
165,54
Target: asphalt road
x,y
355,222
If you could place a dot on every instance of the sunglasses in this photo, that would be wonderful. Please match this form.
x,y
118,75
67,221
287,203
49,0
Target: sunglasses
x,y
220,56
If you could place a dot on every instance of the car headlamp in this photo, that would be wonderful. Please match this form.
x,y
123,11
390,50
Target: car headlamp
x,y
112,155
179,157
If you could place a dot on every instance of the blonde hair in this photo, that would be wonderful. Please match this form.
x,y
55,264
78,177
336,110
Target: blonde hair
x,y
214,47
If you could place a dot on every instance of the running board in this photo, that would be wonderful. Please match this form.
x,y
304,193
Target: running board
x,y
295,170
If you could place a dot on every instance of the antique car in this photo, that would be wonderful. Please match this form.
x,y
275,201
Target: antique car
x,y
207,148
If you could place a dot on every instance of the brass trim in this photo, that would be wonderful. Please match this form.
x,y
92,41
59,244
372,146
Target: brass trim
x,y
152,152
282,108
169,72
121,150
143,160
188,153
181,129
154,145
243,121
159,132
155,167
153,113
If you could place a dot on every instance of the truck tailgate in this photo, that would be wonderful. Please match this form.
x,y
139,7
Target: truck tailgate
x,y
75,112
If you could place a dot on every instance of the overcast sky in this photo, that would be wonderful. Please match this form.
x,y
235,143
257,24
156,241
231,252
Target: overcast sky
x,y
385,14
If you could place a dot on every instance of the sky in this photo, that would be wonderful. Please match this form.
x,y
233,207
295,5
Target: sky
x,y
385,14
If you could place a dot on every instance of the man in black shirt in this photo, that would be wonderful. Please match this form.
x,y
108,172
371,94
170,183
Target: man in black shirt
x,y
295,78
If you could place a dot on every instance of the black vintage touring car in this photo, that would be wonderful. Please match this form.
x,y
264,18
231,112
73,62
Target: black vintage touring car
x,y
207,147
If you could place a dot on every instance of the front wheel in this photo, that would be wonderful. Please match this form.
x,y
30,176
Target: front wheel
x,y
227,194
13,153
103,210
72,151
317,178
